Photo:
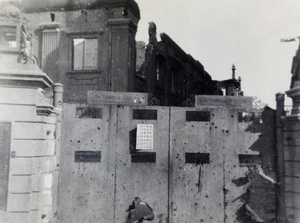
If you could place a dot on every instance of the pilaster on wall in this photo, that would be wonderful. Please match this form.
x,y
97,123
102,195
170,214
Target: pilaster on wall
x,y
280,195
122,54
49,47
292,158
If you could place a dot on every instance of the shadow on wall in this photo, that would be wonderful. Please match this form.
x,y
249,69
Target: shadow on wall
x,y
259,198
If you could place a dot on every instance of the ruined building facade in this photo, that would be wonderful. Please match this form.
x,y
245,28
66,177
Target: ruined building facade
x,y
86,45
90,45
172,77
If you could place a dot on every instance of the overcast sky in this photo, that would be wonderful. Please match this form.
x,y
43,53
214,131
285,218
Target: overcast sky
x,y
220,33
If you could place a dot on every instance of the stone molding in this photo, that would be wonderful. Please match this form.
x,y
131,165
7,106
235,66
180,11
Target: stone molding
x,y
294,93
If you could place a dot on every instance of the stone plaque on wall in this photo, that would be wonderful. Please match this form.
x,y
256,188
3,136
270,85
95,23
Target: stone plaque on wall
x,y
5,129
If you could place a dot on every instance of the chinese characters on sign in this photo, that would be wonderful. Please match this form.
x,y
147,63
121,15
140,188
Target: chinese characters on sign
x,y
144,137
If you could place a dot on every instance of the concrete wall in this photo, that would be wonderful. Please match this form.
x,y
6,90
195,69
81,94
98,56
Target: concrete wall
x,y
29,145
202,169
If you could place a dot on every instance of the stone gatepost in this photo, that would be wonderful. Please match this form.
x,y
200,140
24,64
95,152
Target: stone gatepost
x,y
29,128
291,142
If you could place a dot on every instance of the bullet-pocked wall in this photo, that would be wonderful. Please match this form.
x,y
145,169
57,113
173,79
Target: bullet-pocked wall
x,y
100,176
208,163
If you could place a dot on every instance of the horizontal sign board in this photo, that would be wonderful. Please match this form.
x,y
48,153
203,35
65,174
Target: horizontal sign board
x,y
119,98
219,101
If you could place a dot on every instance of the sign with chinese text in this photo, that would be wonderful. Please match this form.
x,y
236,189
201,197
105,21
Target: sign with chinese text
x,y
144,136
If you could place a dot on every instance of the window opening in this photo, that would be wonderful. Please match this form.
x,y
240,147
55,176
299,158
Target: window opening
x,y
157,71
8,37
85,53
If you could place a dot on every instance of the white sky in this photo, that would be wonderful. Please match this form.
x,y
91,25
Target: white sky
x,y
220,33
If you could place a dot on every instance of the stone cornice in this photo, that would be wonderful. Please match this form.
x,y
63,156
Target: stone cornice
x,y
66,5
17,74
122,24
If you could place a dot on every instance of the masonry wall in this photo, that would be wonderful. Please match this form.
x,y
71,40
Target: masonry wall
x,y
29,146
114,65
291,166
57,62
209,163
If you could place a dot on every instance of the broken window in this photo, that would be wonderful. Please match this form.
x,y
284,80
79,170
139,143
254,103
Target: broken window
x,y
85,53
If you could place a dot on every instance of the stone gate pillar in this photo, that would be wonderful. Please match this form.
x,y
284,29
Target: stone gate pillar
x,y
291,139
29,128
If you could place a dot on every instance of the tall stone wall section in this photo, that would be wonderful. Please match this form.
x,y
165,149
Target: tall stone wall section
x,y
292,157
209,163
291,164
32,135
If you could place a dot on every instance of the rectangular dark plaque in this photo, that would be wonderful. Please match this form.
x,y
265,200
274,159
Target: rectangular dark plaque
x,y
87,156
88,112
197,116
249,159
5,131
143,157
197,158
144,114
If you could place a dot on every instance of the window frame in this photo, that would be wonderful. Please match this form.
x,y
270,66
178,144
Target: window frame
x,y
15,27
84,35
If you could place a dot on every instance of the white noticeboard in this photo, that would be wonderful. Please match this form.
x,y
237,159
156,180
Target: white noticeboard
x,y
144,136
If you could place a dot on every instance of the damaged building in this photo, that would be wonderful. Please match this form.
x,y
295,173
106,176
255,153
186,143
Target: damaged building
x,y
172,77
121,124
